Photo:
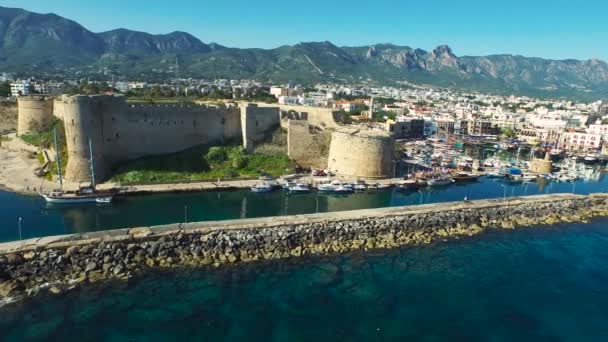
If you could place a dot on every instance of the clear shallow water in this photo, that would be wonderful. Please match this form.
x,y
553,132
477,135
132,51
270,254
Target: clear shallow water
x,y
40,219
538,284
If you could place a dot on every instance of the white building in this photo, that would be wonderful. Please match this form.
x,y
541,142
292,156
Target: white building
x,y
137,85
599,128
51,88
278,91
577,141
289,100
21,88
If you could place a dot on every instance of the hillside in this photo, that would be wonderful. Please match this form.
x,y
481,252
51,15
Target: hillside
x,y
32,42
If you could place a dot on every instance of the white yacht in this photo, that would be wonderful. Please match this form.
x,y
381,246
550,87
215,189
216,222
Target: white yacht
x,y
299,188
262,187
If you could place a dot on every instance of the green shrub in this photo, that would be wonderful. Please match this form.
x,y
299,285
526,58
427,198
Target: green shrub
x,y
216,155
240,162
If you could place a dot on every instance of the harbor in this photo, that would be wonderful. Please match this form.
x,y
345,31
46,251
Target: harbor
x,y
41,219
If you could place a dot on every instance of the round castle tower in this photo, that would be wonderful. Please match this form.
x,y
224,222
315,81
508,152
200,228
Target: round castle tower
x,y
361,153
83,117
35,114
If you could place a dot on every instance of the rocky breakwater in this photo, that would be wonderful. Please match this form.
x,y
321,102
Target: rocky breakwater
x,y
65,262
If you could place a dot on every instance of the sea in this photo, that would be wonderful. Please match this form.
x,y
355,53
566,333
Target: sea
x,y
544,283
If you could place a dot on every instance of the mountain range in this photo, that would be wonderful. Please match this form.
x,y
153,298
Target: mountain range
x,y
33,43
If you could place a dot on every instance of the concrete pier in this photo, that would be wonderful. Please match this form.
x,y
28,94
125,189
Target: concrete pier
x,y
62,262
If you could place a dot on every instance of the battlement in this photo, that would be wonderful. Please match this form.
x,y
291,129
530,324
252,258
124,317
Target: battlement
x,y
34,98
163,108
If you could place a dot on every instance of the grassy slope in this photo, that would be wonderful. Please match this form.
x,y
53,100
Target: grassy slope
x,y
193,165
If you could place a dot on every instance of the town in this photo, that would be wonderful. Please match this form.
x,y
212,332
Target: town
x,y
409,111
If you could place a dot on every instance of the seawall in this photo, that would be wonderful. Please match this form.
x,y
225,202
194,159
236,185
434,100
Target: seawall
x,y
63,262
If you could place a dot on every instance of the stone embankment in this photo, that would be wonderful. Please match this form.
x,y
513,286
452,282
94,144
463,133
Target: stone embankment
x,y
64,262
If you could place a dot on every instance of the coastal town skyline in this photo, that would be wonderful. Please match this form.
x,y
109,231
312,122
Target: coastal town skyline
x,y
155,185
472,29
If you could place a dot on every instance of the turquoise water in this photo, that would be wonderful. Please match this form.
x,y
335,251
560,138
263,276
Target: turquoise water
x,y
538,284
40,219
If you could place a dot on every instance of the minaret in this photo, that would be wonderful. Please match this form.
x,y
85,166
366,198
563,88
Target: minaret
x,y
371,109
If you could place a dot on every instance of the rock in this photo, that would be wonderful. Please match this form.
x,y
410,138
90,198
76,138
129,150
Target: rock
x,y
154,248
91,266
29,255
106,267
73,250
55,290
14,259
118,269
107,259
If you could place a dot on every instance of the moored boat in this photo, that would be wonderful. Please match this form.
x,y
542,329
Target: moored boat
x,y
299,188
261,188
465,177
441,181
85,194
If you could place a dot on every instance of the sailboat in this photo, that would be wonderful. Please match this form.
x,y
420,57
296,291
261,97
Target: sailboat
x,y
85,194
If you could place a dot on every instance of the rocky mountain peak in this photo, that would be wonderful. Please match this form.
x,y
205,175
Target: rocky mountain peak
x,y
444,56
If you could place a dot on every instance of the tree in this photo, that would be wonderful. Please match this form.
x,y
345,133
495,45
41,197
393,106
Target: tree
x,y
391,115
216,155
5,89
508,132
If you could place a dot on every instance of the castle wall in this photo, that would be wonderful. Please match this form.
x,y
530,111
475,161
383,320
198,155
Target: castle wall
x,y
361,153
121,131
58,108
307,145
148,129
256,122
35,114
317,116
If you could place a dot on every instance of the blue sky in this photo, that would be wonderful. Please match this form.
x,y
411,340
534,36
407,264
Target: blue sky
x,y
552,29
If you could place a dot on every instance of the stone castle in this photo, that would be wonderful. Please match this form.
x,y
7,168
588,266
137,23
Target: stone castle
x,y
120,131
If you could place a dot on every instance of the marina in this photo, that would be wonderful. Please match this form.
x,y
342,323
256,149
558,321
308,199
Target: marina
x,y
42,219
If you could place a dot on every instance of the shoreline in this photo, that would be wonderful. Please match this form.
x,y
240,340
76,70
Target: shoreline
x,y
69,261
18,176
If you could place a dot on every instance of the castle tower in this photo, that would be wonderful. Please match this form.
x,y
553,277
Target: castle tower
x,y
361,153
371,109
84,119
35,114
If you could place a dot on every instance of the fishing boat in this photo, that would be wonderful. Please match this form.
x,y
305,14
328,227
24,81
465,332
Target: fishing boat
x,y
440,181
343,189
408,184
326,187
360,187
261,188
379,186
495,174
85,194
299,188
590,159
527,178
465,177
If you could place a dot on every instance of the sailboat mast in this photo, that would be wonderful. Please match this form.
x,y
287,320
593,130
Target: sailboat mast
x,y
57,159
91,162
